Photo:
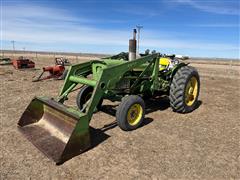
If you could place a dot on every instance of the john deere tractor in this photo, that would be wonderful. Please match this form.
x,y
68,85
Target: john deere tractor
x,y
61,132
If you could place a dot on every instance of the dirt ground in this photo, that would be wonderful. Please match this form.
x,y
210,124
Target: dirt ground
x,y
204,144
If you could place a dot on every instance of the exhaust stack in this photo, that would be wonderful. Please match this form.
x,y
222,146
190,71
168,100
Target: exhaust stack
x,y
132,46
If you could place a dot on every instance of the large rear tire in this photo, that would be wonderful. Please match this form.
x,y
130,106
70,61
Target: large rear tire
x,y
184,90
130,113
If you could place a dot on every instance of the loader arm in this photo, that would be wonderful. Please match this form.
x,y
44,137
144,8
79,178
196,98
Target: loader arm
x,y
108,81
108,76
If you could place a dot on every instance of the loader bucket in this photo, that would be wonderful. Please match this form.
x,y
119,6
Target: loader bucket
x,y
58,131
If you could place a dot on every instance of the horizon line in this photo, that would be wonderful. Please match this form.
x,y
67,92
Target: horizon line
x,y
100,54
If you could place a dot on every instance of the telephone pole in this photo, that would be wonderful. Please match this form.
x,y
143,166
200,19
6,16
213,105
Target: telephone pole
x,y
13,43
138,30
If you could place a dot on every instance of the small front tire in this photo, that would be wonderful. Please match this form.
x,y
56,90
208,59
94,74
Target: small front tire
x,y
130,113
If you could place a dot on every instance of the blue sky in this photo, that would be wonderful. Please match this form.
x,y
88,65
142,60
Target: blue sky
x,y
205,28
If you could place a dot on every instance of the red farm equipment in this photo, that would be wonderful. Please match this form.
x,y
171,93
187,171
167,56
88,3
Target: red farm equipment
x,y
62,61
57,71
22,63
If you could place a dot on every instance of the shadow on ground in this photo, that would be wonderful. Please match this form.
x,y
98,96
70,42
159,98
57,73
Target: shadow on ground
x,y
151,105
154,104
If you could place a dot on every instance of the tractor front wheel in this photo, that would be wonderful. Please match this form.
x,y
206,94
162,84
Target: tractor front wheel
x,y
84,95
184,90
130,113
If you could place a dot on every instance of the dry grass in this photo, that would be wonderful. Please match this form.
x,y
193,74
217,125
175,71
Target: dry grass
x,y
204,144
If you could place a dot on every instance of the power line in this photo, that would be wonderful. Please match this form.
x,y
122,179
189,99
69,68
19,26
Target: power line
x,y
13,43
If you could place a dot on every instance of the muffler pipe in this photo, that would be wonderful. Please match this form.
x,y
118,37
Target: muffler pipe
x,y
132,46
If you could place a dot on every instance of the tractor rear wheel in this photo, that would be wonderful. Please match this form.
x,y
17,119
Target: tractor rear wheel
x,y
130,113
184,90
84,95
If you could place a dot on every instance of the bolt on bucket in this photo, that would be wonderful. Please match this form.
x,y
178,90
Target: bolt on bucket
x,y
58,131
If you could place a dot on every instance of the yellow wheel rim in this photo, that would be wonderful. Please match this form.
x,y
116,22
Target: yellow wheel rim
x,y
134,114
191,91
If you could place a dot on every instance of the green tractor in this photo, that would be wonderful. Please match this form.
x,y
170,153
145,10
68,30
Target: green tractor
x,y
61,132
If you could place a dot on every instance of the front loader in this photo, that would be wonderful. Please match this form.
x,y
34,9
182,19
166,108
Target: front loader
x,y
61,132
